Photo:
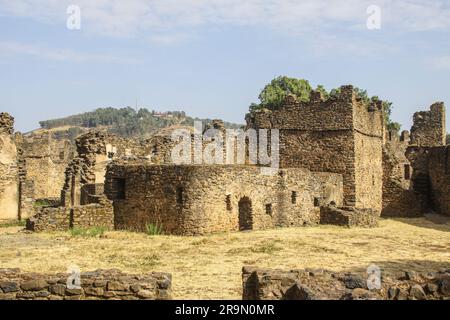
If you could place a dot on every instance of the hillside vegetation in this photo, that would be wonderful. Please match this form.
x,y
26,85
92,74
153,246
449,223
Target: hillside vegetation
x,y
127,122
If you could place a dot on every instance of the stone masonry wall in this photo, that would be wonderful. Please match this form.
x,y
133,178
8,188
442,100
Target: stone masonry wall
x,y
96,285
194,200
439,170
45,160
399,198
9,170
429,127
319,284
341,134
63,218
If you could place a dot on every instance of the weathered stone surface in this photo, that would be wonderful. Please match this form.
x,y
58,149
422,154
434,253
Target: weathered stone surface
x,y
74,291
101,284
117,286
411,275
58,289
34,285
264,284
94,291
145,294
431,288
353,281
444,287
298,292
8,287
416,292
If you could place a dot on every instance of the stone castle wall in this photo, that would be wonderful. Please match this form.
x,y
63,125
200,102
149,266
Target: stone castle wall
x,y
193,200
9,170
439,171
341,134
97,285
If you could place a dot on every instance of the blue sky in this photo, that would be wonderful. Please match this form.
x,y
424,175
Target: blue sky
x,y
211,58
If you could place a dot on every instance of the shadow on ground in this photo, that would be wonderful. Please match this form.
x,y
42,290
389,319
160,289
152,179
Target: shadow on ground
x,y
429,220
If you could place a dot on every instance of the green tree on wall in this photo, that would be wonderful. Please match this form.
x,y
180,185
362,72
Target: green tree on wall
x,y
274,94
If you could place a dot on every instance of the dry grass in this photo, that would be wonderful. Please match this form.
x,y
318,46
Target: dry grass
x,y
209,267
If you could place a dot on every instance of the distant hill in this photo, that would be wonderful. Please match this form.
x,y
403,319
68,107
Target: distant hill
x,y
127,122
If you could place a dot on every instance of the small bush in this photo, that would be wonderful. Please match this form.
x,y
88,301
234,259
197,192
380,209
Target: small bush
x,y
153,229
88,232
9,224
41,203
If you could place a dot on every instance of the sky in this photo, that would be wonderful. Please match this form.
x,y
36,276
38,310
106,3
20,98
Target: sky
x,y
211,58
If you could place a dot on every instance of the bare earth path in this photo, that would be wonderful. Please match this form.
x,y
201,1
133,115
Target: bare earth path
x,y
209,267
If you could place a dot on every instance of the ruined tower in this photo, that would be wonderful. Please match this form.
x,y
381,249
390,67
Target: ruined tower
x,y
428,129
342,134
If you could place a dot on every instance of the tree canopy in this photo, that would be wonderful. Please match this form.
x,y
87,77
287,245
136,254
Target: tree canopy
x,y
127,122
274,94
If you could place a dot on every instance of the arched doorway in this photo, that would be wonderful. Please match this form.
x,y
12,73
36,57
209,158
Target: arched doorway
x,y
245,214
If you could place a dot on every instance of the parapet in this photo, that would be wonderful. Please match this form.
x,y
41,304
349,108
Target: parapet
x,y
341,111
6,123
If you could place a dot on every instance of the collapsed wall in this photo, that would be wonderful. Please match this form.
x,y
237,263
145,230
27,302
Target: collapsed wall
x,y
9,170
196,199
342,134
97,285
319,284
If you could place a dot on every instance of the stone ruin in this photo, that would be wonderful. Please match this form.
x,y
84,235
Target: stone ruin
x,y
96,285
319,284
338,165
416,167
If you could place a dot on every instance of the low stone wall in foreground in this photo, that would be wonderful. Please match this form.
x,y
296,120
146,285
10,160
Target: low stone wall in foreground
x,y
259,284
96,285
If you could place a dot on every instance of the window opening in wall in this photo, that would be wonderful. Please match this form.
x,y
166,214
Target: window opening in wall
x,y
245,214
294,197
179,195
119,187
269,209
316,202
407,171
228,202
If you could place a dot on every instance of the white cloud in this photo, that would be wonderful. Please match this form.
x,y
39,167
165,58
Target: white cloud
x,y
338,26
441,62
135,17
10,49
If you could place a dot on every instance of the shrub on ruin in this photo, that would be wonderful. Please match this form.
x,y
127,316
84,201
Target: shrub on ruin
x,y
154,229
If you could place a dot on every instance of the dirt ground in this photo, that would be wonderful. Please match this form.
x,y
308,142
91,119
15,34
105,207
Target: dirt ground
x,y
209,267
